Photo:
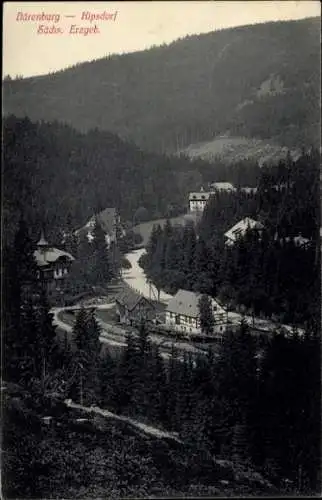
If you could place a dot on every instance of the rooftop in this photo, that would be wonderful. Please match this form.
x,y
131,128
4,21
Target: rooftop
x,y
247,189
201,195
241,227
129,298
45,257
222,186
186,303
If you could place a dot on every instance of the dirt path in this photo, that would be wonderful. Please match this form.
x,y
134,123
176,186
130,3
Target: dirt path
x,y
147,429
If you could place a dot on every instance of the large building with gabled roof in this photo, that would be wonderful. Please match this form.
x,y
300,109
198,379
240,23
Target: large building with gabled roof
x,y
182,313
198,200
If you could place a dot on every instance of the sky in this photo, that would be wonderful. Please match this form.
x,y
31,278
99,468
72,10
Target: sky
x,y
29,49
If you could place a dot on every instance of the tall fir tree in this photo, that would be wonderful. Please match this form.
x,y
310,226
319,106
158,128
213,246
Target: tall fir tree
x,y
206,315
100,266
86,332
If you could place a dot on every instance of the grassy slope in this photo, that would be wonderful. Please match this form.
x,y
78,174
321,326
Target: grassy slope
x,y
234,149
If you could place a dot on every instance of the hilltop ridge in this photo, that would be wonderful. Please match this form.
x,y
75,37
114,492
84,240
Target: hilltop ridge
x,y
250,81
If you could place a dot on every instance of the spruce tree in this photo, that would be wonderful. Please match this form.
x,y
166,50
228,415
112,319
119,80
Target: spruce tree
x,y
86,332
107,378
21,288
202,278
100,267
189,248
206,315
23,255
127,375
236,378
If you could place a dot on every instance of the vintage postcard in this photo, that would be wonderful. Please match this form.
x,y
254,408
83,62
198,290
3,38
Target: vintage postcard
x,y
161,231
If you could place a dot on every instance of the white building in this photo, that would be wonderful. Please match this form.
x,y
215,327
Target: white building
x,y
198,200
239,230
182,313
222,186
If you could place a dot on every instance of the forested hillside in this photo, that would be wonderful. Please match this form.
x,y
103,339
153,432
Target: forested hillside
x,y
254,81
58,177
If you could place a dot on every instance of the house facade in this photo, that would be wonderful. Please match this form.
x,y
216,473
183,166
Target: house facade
x,y
53,265
198,200
182,314
132,308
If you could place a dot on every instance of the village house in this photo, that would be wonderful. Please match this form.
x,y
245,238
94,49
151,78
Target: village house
x,y
182,314
198,200
239,230
110,222
222,186
248,190
298,240
132,307
53,265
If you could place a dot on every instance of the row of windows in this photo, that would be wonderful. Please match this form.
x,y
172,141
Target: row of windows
x,y
183,319
202,197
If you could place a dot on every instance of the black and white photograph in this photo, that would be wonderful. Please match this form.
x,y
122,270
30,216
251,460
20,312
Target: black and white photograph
x,y
161,250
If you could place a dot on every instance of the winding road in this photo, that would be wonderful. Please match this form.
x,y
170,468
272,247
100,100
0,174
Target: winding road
x,y
136,278
115,335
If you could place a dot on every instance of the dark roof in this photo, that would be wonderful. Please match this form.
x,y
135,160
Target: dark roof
x,y
47,257
130,298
